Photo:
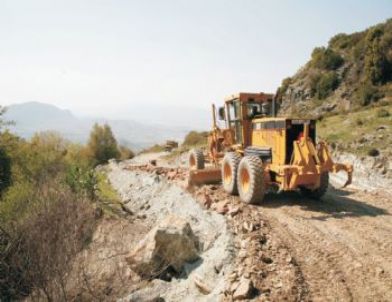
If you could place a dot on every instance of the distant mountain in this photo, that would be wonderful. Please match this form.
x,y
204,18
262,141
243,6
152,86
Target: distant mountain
x,y
32,117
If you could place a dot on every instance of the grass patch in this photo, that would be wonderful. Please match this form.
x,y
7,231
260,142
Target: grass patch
x,y
107,196
347,128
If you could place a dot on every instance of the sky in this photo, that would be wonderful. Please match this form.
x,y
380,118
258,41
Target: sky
x,y
122,58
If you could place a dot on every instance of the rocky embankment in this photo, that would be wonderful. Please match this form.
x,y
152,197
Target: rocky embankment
x,y
180,243
370,172
227,252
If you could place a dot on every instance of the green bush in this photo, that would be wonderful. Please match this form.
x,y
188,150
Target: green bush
x,y
344,41
283,87
368,94
326,58
102,144
16,202
154,148
314,79
327,83
81,181
378,68
126,153
195,138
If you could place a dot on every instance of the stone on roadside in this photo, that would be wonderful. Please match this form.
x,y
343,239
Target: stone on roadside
x,y
207,201
221,207
244,290
203,287
169,245
234,211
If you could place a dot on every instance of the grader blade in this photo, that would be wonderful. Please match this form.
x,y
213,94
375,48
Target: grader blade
x,y
204,176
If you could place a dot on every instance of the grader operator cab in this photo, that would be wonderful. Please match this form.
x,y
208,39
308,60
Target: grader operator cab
x,y
258,152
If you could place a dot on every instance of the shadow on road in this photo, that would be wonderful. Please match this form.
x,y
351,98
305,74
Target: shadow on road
x,y
335,204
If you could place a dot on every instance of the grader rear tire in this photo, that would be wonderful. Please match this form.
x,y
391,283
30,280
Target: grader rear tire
x,y
196,159
250,180
320,191
229,172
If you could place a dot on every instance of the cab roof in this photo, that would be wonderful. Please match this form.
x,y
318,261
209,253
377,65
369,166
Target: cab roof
x,y
280,118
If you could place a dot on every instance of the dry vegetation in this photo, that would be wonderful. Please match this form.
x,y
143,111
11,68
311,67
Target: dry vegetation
x,y
50,202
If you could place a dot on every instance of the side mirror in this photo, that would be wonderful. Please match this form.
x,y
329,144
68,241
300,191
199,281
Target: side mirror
x,y
221,113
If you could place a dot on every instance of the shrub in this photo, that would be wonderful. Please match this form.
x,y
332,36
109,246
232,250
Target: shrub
x,y
283,87
46,154
36,252
368,94
377,67
314,79
16,202
195,138
327,83
102,144
326,58
126,153
81,181
382,113
154,148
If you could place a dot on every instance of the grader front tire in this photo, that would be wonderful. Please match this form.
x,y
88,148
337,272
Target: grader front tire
x,y
250,180
196,159
229,172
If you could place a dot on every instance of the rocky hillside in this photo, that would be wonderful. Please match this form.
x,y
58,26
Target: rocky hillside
x,y
347,86
353,72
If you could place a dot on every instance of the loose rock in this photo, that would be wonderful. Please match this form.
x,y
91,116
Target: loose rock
x,y
244,290
170,244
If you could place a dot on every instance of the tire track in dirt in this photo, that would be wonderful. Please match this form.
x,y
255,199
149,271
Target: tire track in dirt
x,y
341,243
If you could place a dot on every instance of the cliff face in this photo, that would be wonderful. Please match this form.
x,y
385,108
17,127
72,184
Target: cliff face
x,y
352,73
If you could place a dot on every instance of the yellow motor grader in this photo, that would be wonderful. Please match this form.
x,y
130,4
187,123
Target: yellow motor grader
x,y
257,152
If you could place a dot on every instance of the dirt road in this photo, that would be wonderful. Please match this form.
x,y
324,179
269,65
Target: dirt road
x,y
343,244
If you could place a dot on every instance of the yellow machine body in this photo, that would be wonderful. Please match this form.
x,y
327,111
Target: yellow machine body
x,y
295,161
287,146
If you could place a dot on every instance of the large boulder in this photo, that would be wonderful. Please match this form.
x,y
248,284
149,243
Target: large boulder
x,y
167,246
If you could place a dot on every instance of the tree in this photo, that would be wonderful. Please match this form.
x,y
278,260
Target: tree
x,y
327,83
326,58
377,66
102,144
